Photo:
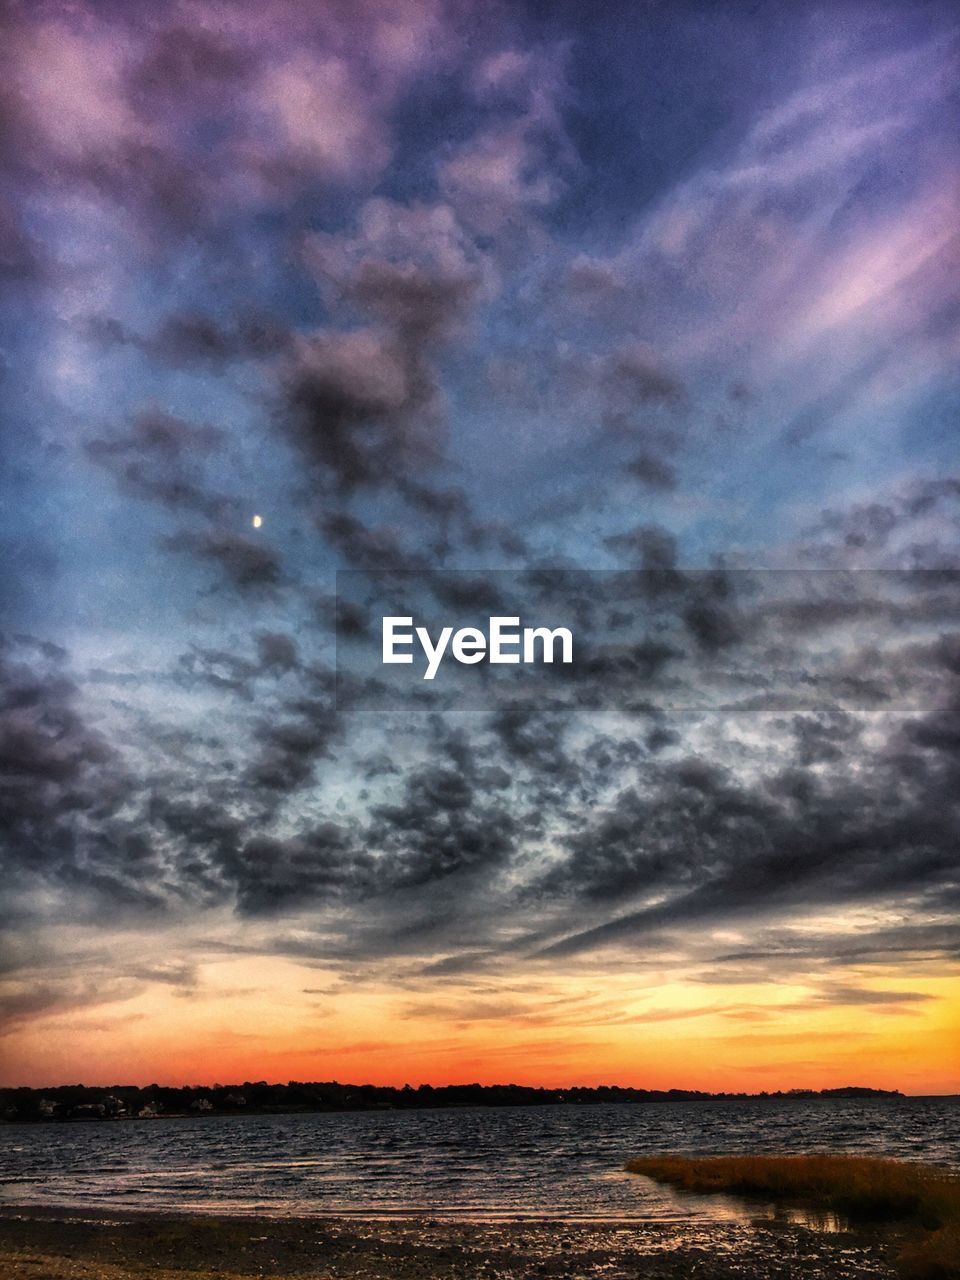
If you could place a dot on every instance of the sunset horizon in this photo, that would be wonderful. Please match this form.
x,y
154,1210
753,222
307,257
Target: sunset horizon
x,y
738,1042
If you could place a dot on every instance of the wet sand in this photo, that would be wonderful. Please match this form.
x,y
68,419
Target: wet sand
x,y
48,1244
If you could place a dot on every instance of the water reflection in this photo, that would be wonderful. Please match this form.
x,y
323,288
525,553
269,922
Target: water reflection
x,y
823,1220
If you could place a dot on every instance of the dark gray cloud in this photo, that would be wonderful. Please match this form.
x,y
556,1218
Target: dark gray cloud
x,y
289,746
825,737
64,789
843,994
249,565
364,406
53,764
276,655
322,866
358,408
893,530
193,339
525,814
636,375
914,942
187,62
369,547
450,820
161,458
21,258
531,735
652,471
718,850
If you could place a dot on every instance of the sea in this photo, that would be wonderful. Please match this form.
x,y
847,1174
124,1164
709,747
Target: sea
x,y
557,1162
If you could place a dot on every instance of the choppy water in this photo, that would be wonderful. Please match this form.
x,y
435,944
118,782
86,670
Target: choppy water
x,y
514,1162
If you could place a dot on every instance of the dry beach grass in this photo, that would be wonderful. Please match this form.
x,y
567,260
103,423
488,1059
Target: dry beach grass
x,y
925,1200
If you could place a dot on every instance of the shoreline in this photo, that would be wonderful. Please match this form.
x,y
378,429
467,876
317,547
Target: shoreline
x,y
75,1243
112,1103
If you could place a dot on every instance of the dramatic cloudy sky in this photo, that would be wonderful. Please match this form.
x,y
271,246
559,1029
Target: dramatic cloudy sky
x,y
641,317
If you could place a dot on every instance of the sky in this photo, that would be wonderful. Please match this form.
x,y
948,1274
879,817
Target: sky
x,y
641,315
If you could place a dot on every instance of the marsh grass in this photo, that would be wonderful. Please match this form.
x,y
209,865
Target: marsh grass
x,y
926,1201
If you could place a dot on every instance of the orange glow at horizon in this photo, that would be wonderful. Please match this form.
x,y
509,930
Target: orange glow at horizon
x,y
275,1019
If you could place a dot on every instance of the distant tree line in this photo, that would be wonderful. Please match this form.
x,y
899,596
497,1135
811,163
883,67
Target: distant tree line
x,y
83,1102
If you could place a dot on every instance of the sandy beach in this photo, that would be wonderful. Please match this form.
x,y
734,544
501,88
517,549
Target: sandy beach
x,y
49,1244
